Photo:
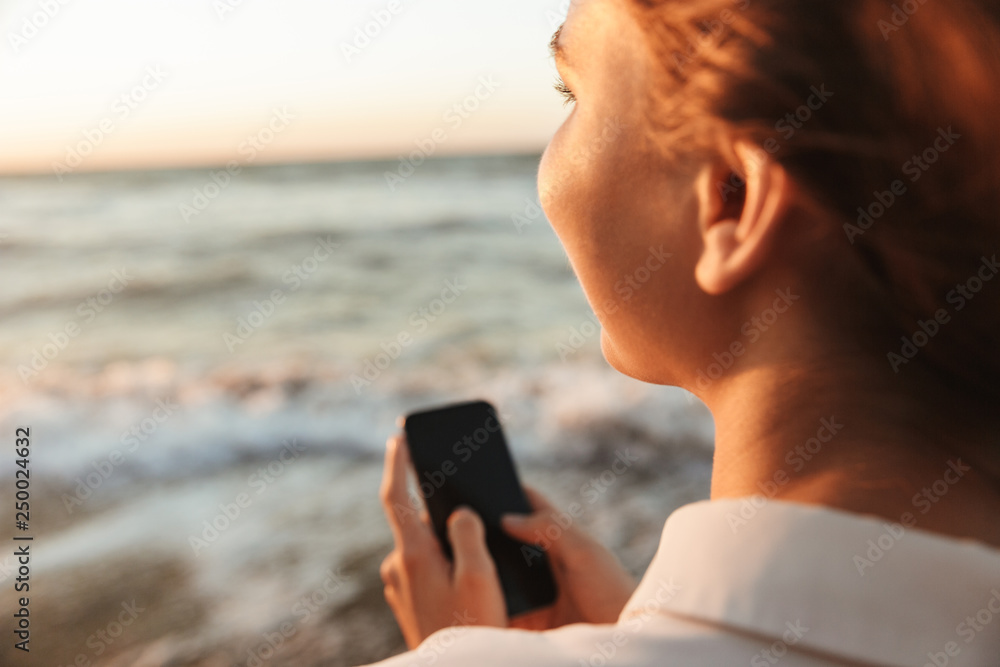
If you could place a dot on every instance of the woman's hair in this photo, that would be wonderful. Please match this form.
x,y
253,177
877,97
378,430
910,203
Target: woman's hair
x,y
885,113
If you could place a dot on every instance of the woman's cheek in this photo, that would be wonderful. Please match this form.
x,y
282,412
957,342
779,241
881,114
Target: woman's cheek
x,y
552,177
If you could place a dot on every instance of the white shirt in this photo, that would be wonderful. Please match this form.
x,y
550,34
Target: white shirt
x,y
763,582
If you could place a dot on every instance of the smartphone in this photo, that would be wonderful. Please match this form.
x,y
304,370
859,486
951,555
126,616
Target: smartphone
x,y
460,457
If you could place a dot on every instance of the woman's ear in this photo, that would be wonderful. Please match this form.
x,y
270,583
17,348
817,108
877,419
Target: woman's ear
x,y
739,218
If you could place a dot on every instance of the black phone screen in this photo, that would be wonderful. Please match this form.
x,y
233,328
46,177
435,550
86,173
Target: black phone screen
x,y
460,457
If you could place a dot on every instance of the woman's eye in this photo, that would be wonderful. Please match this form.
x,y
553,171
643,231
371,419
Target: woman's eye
x,y
564,90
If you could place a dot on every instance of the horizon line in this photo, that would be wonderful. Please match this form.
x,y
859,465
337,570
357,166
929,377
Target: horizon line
x,y
206,165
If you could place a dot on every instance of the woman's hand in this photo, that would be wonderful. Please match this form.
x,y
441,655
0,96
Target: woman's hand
x,y
593,587
425,590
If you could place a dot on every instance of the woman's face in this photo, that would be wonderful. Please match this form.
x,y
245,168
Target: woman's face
x,y
627,219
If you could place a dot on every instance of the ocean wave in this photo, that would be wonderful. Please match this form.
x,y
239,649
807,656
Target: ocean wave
x,y
166,421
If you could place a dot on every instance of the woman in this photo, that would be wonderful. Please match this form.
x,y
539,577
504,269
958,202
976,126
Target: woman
x,y
824,174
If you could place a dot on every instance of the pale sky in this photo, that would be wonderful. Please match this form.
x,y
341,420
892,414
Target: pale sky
x,y
183,82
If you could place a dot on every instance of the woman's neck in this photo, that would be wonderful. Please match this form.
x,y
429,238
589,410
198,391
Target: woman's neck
x,y
840,437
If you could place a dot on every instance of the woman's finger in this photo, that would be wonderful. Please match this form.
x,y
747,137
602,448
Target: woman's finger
x,y
468,543
530,528
538,620
389,570
546,526
538,501
403,519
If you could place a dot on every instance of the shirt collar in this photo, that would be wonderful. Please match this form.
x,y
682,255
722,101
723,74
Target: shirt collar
x,y
853,586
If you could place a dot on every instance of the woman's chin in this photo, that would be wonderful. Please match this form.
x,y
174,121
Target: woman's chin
x,y
626,364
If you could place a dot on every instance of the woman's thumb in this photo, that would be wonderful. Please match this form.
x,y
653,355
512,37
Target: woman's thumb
x,y
468,544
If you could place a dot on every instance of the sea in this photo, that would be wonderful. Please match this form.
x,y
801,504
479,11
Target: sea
x,y
209,364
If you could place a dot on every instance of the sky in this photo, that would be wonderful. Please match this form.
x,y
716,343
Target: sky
x,y
110,84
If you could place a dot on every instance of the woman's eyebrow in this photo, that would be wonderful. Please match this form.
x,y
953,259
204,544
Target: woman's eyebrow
x,y
556,47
